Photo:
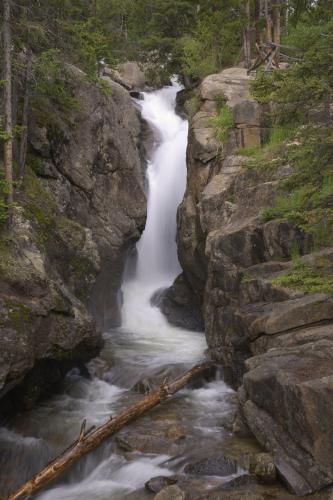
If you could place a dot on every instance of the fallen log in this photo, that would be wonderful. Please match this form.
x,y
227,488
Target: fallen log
x,y
93,437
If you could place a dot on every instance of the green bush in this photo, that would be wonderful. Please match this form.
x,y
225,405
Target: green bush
x,y
303,277
223,122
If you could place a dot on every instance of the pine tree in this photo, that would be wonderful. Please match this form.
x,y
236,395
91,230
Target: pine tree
x,y
7,73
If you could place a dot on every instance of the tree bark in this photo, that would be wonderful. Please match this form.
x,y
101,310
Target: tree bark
x,y
89,440
277,27
268,21
25,117
247,35
8,145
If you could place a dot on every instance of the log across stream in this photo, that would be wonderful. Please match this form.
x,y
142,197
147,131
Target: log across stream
x,y
90,439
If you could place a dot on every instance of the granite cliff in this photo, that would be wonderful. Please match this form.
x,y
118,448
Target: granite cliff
x,y
81,206
275,343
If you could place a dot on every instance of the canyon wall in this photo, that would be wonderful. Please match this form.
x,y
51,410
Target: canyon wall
x,y
275,343
80,207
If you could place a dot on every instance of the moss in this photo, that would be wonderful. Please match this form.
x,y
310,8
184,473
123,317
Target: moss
x,y
192,106
17,315
303,277
39,206
8,264
71,233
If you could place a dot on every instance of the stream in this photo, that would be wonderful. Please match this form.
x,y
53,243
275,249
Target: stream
x,y
143,349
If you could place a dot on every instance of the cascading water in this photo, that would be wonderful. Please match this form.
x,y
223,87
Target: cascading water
x,y
157,262
144,346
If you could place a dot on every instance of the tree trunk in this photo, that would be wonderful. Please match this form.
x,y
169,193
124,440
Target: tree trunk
x,y
268,21
257,17
247,36
25,116
277,27
8,146
89,440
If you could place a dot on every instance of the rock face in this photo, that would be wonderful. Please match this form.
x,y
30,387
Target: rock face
x,y
274,343
82,206
129,75
180,305
99,181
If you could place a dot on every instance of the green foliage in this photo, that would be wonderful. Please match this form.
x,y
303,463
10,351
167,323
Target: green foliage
x,y
52,89
192,106
223,122
303,277
306,197
195,63
273,153
306,83
3,203
214,41
39,206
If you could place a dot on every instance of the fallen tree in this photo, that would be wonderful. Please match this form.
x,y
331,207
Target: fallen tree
x,y
89,439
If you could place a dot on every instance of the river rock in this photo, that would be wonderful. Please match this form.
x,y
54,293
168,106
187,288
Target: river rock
x,y
180,306
156,442
156,484
170,493
263,468
218,465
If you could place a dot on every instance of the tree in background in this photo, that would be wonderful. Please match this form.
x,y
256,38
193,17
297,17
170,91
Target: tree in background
x,y
7,74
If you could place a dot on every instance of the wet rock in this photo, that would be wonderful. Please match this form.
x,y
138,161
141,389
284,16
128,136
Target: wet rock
x,y
295,466
218,465
137,95
155,442
240,481
262,466
156,484
175,432
180,306
144,386
170,493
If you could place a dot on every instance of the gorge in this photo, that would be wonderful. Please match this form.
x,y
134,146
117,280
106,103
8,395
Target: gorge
x,y
150,222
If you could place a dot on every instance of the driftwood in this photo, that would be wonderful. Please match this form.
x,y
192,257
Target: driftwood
x,y
89,439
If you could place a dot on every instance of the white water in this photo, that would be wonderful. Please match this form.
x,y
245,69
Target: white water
x,y
143,345
157,262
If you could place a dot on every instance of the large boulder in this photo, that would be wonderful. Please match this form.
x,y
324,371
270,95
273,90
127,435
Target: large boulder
x,y
129,75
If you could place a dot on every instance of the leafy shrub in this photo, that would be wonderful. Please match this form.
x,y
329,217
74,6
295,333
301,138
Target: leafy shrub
x,y
223,122
303,277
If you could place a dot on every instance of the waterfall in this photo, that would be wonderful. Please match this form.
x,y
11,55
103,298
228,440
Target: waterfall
x,y
157,261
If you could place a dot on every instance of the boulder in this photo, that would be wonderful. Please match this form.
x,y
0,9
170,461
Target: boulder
x,y
170,493
129,75
180,305
156,484
218,465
